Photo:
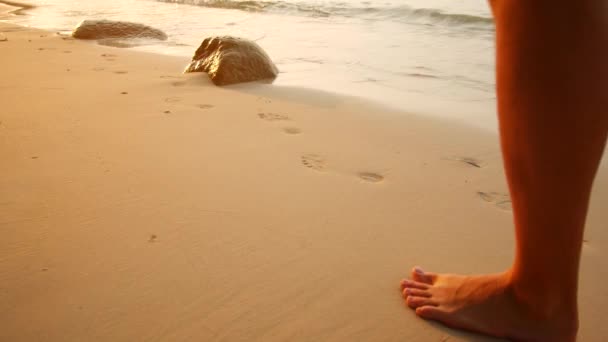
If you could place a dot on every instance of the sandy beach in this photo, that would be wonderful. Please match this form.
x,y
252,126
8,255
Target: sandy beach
x,y
141,204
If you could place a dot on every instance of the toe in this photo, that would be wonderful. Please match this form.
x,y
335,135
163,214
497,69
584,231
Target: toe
x,y
419,275
431,312
408,291
415,302
406,283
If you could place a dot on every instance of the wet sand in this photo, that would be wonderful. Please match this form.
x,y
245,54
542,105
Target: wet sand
x,y
140,204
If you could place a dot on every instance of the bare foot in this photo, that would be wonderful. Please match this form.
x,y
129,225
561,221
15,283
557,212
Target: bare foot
x,y
486,304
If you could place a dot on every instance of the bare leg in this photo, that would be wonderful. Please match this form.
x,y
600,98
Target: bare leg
x,y
552,76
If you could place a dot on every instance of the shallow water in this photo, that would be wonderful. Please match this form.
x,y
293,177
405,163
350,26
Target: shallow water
x,y
426,56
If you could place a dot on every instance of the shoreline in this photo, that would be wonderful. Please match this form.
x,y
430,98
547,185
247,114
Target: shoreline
x,y
387,84
139,203
19,7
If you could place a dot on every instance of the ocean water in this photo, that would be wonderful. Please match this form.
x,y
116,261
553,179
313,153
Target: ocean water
x,y
433,57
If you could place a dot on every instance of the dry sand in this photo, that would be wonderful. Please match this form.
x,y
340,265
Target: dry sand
x,y
140,204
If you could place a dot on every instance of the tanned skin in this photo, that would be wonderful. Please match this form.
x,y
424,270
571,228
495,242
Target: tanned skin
x,y
552,89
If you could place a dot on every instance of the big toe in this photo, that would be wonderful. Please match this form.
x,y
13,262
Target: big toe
x,y
419,275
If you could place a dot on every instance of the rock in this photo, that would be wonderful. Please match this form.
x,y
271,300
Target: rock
x,y
103,29
3,38
230,60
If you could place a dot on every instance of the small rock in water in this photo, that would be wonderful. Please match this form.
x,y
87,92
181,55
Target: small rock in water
x,y
230,60
103,29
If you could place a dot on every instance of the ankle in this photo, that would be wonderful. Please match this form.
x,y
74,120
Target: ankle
x,y
550,306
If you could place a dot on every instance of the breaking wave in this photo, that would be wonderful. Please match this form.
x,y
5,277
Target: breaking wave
x,y
397,13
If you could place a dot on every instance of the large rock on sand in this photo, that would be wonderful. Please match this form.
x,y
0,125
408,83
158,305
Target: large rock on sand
x,y
229,60
104,29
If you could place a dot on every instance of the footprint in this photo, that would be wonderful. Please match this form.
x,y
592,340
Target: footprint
x,y
120,72
99,69
172,99
587,244
292,130
178,84
273,117
313,161
503,201
108,57
67,51
371,177
205,106
124,93
469,161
